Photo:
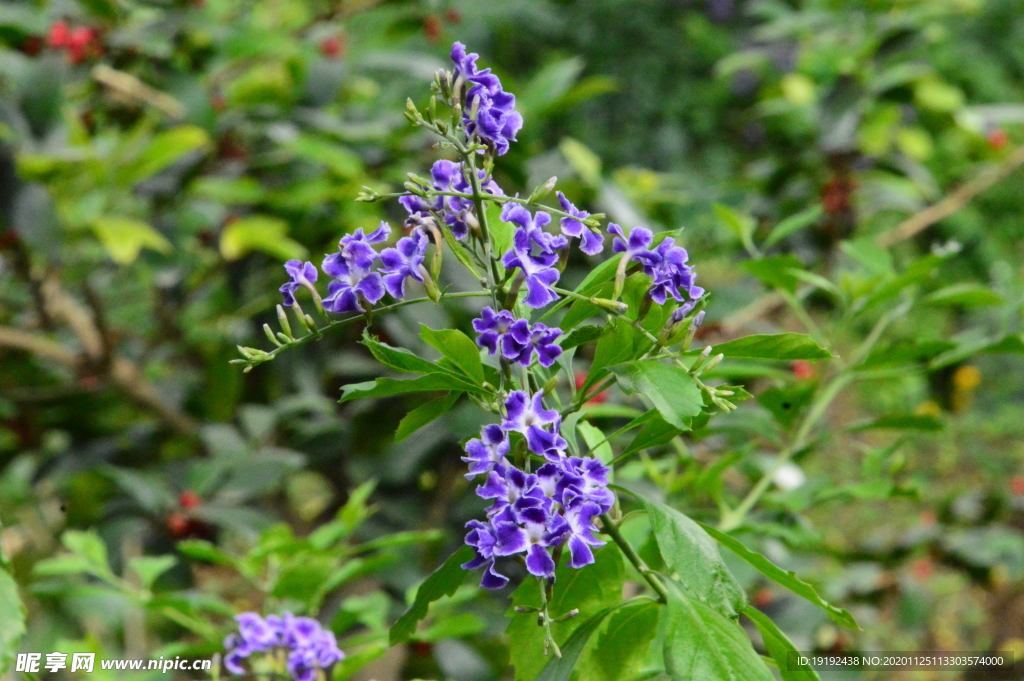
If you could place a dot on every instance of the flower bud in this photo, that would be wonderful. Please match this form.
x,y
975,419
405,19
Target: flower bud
x,y
270,335
613,306
551,385
543,190
282,319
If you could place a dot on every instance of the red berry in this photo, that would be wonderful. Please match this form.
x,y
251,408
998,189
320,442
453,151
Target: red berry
x,y
432,27
32,45
1017,484
60,35
189,499
922,569
452,16
998,139
763,598
80,44
802,369
596,399
421,648
332,47
178,524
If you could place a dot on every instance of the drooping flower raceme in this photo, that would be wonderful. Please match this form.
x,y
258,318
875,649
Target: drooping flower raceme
x,y
666,264
489,112
307,646
350,268
535,252
302,274
448,176
516,339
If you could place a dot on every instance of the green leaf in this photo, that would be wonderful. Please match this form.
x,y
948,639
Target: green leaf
x,y
788,402
12,619
339,160
776,271
582,335
793,224
561,668
399,359
780,648
623,643
124,238
461,254
590,590
902,422
302,575
596,441
740,224
693,556
259,233
89,547
165,149
783,346
965,295
199,549
457,347
388,387
149,568
584,161
442,582
424,414
548,85
655,432
671,390
785,578
702,644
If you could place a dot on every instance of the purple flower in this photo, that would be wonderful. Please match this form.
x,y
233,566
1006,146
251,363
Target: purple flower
x,y
528,416
587,478
578,530
636,243
308,645
448,176
493,329
592,241
512,491
534,251
666,264
489,111
486,453
350,269
402,261
482,537
537,340
302,274
532,535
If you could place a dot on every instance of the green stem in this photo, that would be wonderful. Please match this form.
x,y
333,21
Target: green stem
x,y
609,527
318,332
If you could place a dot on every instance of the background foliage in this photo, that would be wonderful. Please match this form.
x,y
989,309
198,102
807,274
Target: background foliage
x,y
155,174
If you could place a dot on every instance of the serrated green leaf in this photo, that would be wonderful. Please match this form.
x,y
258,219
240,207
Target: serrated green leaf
x,y
61,565
199,549
457,347
590,590
89,547
671,390
442,582
424,414
12,619
302,575
701,643
149,568
782,346
655,432
780,648
782,577
561,668
694,559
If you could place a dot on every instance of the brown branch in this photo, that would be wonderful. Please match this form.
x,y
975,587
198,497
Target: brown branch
x,y
953,202
124,373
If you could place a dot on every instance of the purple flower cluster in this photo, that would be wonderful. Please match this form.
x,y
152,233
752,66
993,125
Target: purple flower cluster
x,y
533,513
489,112
354,281
666,264
591,240
535,252
448,176
308,646
516,339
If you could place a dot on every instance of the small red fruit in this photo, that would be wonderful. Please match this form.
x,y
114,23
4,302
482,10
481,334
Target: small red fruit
x,y
60,35
189,499
178,524
596,399
1017,484
432,27
452,16
763,598
802,369
32,45
80,44
332,47
998,139
922,569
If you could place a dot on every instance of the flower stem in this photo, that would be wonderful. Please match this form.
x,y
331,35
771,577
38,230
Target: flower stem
x,y
609,527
